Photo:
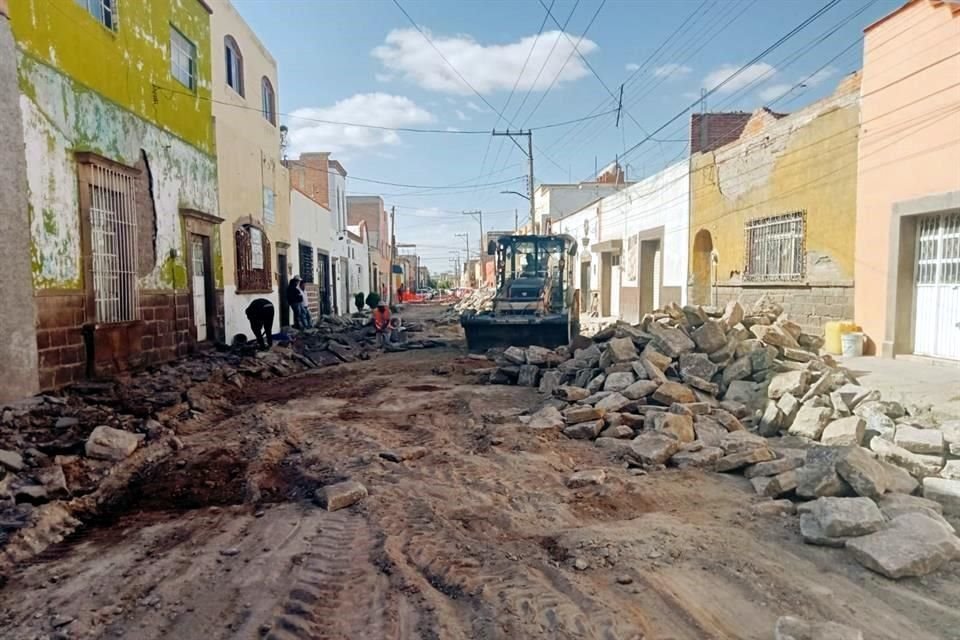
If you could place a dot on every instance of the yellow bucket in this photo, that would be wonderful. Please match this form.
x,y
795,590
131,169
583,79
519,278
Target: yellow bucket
x,y
833,341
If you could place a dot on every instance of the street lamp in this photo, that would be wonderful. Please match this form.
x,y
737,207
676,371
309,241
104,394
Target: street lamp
x,y
517,193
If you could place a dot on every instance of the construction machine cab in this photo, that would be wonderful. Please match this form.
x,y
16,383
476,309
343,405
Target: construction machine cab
x,y
535,297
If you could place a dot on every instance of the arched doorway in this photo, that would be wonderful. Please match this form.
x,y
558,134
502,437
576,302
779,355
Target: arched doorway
x,y
702,258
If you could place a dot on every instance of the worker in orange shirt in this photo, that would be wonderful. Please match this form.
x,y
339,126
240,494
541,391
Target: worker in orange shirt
x,y
381,322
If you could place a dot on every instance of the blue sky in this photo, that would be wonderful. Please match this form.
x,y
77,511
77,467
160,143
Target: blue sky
x,y
362,61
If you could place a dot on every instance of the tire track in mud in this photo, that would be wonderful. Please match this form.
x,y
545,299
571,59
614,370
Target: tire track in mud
x,y
336,595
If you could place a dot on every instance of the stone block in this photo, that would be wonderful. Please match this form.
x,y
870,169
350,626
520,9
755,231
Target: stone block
x,y
771,421
596,383
672,342
709,431
789,406
529,376
584,430
918,465
727,420
546,419
773,467
847,517
107,443
618,381
844,432
775,486
653,372
618,350
944,491
781,507
740,441
341,495
654,447
11,460
810,422
571,393
894,505
703,458
710,336
745,392
681,427
738,370
862,472
923,441
812,532
621,431
697,364
515,355
613,402
670,392
790,382
586,478
581,413
913,544
739,460
550,381
899,479
818,477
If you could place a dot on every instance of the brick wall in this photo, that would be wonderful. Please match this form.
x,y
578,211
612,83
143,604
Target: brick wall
x,y
165,332
810,306
60,345
309,174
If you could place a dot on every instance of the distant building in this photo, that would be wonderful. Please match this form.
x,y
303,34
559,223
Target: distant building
x,y
370,210
358,252
554,201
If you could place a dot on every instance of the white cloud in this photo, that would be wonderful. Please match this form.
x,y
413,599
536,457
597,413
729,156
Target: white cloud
x,y
760,70
632,66
773,91
672,69
776,90
461,115
487,68
379,109
475,107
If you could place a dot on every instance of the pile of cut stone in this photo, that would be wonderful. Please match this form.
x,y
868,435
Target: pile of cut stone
x,y
748,392
337,339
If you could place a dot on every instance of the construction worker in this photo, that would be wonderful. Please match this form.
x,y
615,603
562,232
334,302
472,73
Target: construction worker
x,y
260,315
296,301
381,322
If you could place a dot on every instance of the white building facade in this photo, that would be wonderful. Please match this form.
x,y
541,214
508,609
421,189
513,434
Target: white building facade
x,y
358,256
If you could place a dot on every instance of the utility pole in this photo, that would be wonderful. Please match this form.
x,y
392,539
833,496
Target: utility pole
x,y
516,221
466,239
529,153
393,249
479,216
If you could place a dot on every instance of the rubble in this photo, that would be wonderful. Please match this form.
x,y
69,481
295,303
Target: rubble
x,y
341,495
790,628
704,388
913,544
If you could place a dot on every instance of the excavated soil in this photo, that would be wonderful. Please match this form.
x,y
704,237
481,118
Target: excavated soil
x,y
474,535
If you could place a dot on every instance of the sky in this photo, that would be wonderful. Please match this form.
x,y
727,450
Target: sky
x,y
478,65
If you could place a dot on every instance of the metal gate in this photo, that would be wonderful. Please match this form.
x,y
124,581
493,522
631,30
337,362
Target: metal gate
x,y
937,314
199,286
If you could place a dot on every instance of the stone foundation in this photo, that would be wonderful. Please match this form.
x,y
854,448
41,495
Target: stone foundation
x,y
810,306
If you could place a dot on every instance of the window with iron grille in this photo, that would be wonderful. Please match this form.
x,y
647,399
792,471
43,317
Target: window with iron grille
x,y
105,11
306,263
183,59
253,260
112,213
776,248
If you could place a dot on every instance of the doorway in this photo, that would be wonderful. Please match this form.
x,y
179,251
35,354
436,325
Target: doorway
x,y
937,281
333,287
284,307
323,270
702,267
585,295
649,276
201,287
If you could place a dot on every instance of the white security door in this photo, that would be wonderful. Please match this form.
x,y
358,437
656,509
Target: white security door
x,y
937,319
199,287
615,273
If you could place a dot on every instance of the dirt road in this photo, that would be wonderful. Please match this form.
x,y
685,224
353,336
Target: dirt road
x,y
473,535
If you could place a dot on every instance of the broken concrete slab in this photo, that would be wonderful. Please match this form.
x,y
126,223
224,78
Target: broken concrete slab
x,y
341,495
913,544
810,422
946,492
844,432
847,517
107,443
922,441
862,472
586,478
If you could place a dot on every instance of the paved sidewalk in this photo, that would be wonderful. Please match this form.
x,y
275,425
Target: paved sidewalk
x,y
911,380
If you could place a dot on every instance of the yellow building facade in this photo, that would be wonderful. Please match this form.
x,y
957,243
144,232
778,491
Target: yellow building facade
x,y
774,212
